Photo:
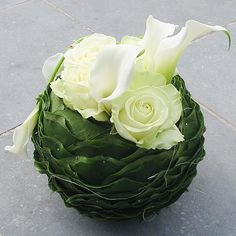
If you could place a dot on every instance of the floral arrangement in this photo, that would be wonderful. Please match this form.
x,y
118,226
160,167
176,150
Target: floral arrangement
x,y
116,131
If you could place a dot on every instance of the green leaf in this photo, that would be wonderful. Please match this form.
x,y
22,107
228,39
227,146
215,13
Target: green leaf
x,y
105,176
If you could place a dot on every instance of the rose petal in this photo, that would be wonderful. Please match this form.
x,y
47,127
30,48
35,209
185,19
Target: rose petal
x,y
164,140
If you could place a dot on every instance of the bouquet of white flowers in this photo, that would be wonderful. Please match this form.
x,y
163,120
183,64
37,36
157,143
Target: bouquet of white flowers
x,y
116,131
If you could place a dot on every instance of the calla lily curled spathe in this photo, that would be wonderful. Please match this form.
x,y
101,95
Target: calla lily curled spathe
x,y
163,49
23,133
113,71
50,64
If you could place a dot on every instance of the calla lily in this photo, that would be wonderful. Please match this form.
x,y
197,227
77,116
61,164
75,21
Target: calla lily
x,y
22,134
155,32
50,64
163,51
112,72
170,49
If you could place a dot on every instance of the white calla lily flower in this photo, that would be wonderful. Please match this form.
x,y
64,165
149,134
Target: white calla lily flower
x,y
155,32
112,73
163,49
171,48
50,64
22,134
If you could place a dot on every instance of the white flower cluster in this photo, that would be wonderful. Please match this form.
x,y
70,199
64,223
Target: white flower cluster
x,y
127,83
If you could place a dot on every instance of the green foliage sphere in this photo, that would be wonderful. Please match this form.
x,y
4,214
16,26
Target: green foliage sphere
x,y
105,176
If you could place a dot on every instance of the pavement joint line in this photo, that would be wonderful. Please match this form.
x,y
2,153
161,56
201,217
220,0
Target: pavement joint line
x,y
68,15
217,116
5,133
14,5
231,23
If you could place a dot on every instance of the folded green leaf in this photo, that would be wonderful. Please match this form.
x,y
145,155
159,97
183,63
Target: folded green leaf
x,y
105,176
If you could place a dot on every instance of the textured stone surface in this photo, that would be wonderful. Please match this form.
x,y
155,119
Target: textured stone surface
x,y
6,4
30,31
128,17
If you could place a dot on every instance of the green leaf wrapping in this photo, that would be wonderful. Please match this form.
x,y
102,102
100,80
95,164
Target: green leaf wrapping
x,y
105,176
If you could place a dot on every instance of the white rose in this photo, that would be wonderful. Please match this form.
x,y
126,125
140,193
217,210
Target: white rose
x,y
73,87
80,59
146,114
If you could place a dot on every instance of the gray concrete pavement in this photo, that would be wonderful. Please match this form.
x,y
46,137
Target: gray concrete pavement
x,y
32,30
